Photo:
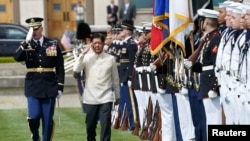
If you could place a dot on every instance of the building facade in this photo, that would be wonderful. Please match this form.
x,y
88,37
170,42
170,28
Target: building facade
x,y
59,14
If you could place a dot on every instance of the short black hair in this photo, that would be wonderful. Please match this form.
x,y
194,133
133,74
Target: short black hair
x,y
98,35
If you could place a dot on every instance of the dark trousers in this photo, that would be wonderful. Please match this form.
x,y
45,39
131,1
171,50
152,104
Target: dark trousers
x,y
41,109
130,106
198,114
176,118
103,112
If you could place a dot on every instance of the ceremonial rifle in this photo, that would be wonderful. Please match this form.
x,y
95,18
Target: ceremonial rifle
x,y
117,117
153,126
144,134
125,121
157,134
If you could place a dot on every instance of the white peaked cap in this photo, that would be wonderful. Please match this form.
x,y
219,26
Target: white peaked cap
x,y
232,5
139,28
225,4
237,9
147,26
208,13
245,7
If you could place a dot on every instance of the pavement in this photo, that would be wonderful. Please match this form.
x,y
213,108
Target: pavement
x,y
19,101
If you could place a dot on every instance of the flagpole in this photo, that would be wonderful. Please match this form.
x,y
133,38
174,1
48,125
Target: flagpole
x,y
191,36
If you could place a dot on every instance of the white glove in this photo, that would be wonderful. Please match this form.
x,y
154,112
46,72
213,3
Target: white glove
x,y
148,68
152,67
188,64
212,94
59,94
184,91
129,83
161,91
139,69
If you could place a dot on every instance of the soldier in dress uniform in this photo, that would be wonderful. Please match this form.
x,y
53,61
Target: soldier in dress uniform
x,y
225,30
242,68
127,56
236,46
222,64
161,67
196,104
44,80
244,72
222,15
205,63
136,77
114,48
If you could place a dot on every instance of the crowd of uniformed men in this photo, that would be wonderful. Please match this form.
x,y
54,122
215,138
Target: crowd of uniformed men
x,y
176,93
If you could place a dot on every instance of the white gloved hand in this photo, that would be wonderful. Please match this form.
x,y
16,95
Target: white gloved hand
x,y
129,83
148,68
139,69
161,91
152,67
59,94
212,94
188,64
184,91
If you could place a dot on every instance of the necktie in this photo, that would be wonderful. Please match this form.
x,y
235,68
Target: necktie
x,y
38,44
112,9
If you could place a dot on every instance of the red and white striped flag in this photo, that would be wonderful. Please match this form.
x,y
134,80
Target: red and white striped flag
x,y
65,40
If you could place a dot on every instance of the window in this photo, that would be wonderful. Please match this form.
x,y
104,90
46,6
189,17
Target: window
x,y
14,33
2,8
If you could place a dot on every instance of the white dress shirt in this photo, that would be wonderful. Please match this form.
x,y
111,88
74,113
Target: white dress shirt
x,y
102,79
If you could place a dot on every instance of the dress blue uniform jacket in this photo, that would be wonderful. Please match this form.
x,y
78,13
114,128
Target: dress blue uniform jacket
x,y
128,51
208,80
42,84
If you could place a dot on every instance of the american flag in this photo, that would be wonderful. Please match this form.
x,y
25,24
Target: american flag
x,y
65,40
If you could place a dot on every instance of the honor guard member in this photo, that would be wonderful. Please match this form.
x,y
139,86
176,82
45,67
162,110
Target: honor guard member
x,y
127,57
205,63
244,72
222,15
196,102
236,46
113,49
222,64
242,68
137,75
44,79
108,41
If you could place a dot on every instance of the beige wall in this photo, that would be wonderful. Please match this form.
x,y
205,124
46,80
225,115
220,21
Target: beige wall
x,y
96,11
32,8
100,14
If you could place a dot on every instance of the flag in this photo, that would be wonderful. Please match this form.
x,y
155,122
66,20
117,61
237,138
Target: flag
x,y
159,31
65,40
179,11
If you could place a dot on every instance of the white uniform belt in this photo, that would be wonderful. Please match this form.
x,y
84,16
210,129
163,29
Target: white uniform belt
x,y
124,61
206,68
40,69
